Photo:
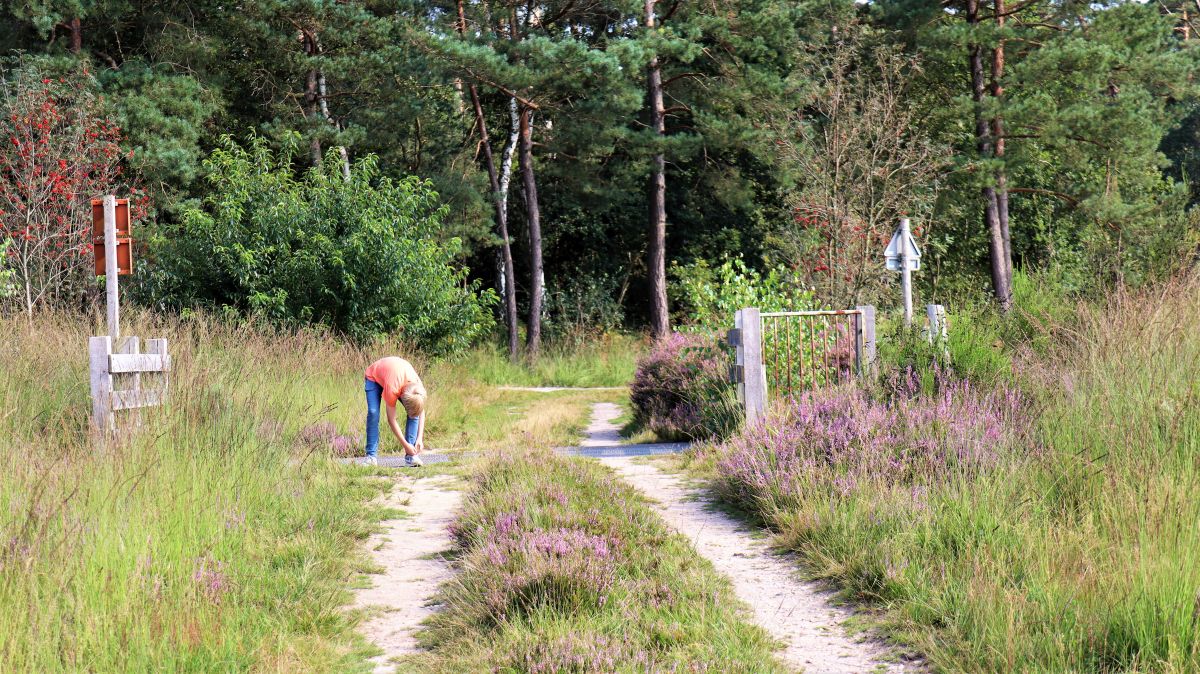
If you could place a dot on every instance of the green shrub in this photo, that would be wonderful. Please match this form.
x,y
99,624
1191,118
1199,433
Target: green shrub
x,y
357,255
707,297
981,342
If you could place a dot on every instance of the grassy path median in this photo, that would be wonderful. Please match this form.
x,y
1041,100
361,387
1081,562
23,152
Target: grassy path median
x,y
564,567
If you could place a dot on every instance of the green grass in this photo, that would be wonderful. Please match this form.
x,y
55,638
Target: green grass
x,y
607,361
1084,556
533,592
216,539
467,415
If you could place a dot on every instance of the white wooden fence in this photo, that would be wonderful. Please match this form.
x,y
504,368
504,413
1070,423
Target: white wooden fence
x,y
125,378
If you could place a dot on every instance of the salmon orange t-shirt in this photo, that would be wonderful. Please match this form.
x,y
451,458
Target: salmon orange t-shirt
x,y
393,374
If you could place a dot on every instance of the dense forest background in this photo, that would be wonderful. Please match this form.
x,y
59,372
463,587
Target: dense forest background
x,y
630,151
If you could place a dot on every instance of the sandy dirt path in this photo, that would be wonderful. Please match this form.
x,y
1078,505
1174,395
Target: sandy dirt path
x,y
796,612
409,550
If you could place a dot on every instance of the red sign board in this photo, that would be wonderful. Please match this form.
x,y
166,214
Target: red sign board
x,y
124,247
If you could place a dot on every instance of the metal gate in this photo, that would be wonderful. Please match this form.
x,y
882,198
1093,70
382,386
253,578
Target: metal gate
x,y
810,349
780,353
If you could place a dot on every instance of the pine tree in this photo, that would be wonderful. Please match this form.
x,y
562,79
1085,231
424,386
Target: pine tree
x,y
1068,126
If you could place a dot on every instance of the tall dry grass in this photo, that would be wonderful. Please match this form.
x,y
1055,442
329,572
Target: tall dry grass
x,y
221,536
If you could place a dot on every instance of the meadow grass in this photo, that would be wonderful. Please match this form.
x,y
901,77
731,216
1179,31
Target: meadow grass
x,y
222,536
465,414
605,361
1077,550
562,567
213,540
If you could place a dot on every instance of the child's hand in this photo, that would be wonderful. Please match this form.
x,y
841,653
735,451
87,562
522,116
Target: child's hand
x,y
420,446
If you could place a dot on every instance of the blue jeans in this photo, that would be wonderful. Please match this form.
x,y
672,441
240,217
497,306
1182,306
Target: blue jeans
x,y
374,396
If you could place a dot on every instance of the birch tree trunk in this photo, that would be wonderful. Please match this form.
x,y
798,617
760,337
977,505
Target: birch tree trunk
x,y
500,201
312,94
345,156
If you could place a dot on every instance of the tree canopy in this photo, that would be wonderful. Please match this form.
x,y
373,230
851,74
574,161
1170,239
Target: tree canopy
x,y
625,138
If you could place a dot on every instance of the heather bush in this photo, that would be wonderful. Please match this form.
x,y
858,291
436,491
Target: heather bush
x,y
681,389
1050,531
840,441
324,435
564,568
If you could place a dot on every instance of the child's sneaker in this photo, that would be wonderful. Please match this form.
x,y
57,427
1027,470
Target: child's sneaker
x,y
413,461
370,461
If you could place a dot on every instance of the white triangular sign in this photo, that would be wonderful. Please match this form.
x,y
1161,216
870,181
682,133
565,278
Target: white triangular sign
x,y
892,252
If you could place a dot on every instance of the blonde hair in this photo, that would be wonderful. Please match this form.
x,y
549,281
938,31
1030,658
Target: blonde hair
x,y
413,400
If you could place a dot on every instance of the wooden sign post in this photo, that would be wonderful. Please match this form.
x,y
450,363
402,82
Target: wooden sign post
x,y
116,364
110,235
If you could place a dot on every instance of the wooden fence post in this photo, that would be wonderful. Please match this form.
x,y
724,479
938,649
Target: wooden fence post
x,y
866,339
131,381
938,331
939,334
159,347
752,385
99,351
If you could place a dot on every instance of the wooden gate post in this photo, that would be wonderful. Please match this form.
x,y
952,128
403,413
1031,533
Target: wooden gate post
x,y
752,377
111,271
865,340
936,314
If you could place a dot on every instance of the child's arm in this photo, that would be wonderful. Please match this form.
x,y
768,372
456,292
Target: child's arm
x,y
397,431
421,432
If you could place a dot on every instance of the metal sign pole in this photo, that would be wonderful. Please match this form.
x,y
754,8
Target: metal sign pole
x,y
906,272
110,267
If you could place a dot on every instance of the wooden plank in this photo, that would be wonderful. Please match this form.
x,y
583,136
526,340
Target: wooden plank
x,y
132,381
130,400
129,346
142,362
99,352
